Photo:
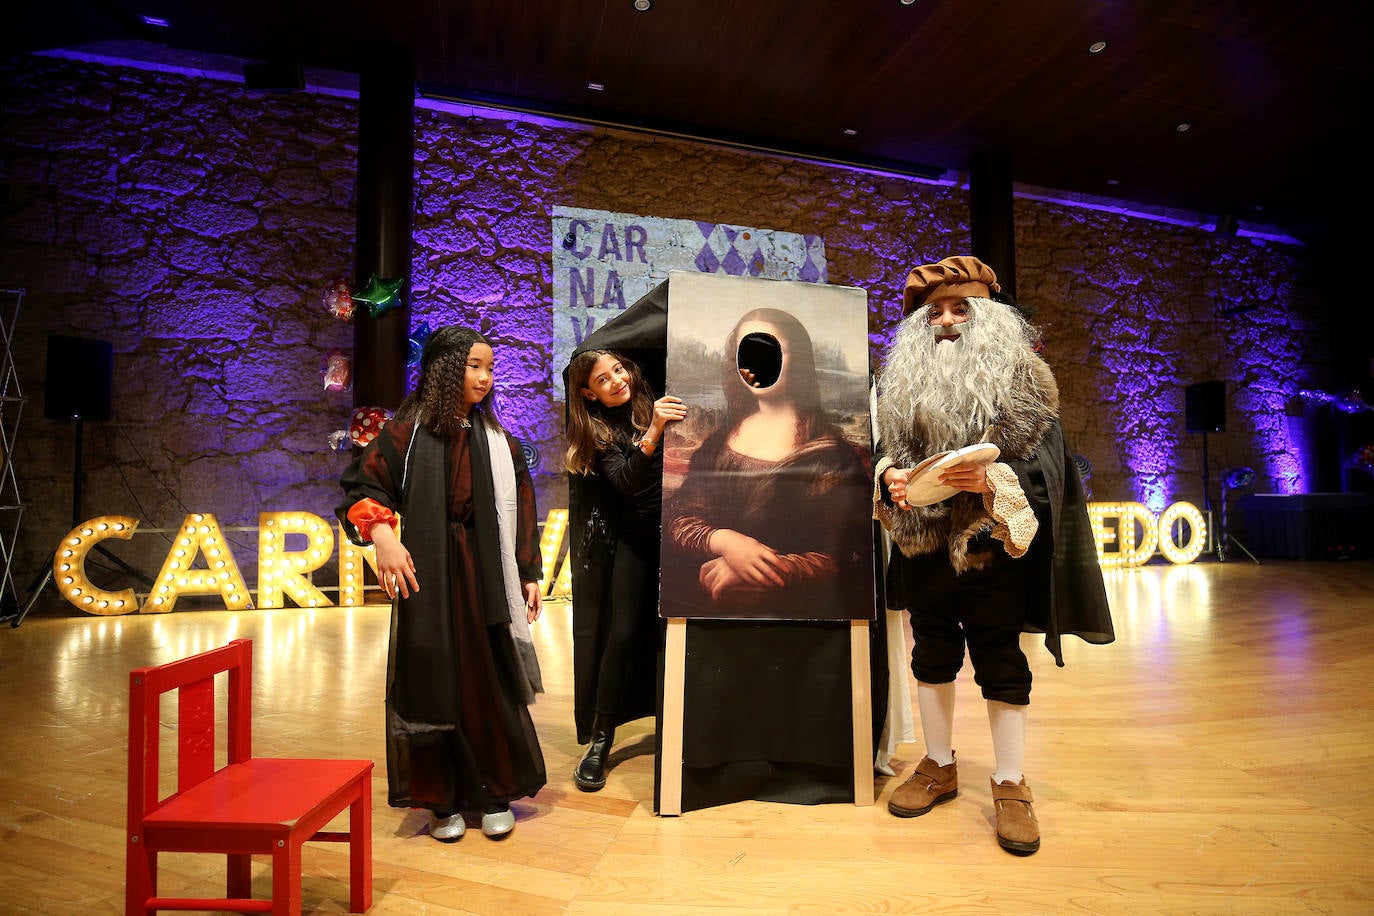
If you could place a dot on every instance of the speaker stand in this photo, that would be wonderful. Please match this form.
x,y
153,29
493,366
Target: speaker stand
x,y
43,579
1225,544
1206,479
1216,541
1225,541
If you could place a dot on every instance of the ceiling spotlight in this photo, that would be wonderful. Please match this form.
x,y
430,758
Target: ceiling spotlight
x,y
1097,47
1184,127
850,132
157,22
1113,181
596,87
908,2
642,5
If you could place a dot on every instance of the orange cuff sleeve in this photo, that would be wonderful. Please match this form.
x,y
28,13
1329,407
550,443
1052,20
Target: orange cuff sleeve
x,y
368,512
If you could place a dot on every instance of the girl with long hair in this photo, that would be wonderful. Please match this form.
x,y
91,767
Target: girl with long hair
x,y
614,429
444,494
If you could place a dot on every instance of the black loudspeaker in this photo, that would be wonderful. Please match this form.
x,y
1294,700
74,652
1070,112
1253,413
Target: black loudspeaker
x,y
78,379
1205,407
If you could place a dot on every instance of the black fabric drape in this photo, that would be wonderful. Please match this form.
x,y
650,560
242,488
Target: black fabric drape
x,y
768,711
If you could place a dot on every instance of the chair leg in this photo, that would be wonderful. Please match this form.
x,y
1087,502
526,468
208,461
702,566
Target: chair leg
x,y
240,879
140,878
286,879
360,848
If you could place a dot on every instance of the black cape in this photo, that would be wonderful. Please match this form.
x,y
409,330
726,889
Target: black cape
x,y
1065,592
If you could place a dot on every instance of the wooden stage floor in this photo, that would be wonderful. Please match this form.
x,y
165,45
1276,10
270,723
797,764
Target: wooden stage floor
x,y
1213,760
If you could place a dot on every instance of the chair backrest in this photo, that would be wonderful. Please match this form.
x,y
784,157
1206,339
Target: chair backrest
x,y
194,680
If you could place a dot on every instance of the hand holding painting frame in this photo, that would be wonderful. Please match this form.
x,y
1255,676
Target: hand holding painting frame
x,y
767,544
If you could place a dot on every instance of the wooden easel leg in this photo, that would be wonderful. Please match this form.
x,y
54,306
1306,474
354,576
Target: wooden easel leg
x,y
861,690
674,678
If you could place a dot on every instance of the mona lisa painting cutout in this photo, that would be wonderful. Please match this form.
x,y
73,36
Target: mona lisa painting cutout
x,y
767,483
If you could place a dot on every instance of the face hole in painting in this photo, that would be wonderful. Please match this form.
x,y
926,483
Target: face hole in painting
x,y
759,359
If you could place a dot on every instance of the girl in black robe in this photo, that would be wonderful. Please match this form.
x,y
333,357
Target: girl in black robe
x,y
445,495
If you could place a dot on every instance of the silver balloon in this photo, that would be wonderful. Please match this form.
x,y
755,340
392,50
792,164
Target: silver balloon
x,y
1236,478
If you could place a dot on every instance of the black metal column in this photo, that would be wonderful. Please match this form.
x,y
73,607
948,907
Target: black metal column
x,y
992,224
385,189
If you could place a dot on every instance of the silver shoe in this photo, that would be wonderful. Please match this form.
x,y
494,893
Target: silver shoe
x,y
498,824
447,829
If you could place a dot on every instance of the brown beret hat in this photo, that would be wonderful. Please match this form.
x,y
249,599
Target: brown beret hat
x,y
962,275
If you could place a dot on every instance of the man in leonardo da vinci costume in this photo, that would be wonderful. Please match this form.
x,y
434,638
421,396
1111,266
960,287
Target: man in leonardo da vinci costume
x,y
1010,551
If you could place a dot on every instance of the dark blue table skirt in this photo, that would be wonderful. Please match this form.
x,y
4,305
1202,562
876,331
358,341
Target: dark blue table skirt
x,y
1309,526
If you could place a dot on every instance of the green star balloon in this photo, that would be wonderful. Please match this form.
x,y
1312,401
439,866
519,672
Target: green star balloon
x,y
380,294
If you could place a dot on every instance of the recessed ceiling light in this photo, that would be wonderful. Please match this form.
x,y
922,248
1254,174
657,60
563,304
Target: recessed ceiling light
x,y
1097,47
596,87
642,5
1184,127
157,22
908,2
850,132
1113,181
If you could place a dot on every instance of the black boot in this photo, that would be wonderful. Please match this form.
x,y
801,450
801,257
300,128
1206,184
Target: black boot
x,y
590,774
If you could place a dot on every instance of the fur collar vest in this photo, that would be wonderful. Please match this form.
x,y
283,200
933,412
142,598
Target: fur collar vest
x,y
1024,415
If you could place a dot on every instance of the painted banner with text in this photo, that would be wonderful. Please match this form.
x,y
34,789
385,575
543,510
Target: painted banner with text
x,y
603,262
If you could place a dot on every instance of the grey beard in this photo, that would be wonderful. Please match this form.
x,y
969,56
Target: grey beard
x,y
947,393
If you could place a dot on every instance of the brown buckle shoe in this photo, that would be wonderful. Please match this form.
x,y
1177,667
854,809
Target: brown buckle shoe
x,y
930,785
1017,829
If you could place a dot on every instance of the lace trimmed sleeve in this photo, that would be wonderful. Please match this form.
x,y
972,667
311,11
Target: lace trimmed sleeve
x,y
1014,521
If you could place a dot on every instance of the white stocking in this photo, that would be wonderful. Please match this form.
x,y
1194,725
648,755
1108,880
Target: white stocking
x,y
936,703
1008,725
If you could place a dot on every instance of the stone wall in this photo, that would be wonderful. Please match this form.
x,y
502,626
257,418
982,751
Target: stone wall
x,y
194,225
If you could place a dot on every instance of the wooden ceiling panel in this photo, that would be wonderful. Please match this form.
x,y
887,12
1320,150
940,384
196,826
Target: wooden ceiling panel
x,y
1273,102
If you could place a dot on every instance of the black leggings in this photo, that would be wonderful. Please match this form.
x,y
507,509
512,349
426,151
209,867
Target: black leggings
x,y
634,604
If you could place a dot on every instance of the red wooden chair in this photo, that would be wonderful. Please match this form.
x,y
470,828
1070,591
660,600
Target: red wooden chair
x,y
250,806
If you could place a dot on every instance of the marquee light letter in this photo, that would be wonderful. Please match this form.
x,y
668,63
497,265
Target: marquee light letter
x,y
1135,533
550,544
283,570
69,566
1173,551
562,586
1137,518
1098,513
352,561
200,534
